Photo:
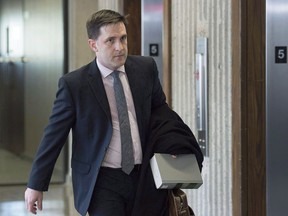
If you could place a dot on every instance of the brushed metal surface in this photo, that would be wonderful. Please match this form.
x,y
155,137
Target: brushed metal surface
x,y
277,106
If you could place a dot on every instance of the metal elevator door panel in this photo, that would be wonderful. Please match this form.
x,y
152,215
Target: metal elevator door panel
x,y
31,62
11,77
277,106
152,32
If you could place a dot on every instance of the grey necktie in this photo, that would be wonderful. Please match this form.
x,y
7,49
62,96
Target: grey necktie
x,y
125,131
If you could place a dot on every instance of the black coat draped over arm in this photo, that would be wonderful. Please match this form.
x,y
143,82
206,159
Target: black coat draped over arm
x,y
170,135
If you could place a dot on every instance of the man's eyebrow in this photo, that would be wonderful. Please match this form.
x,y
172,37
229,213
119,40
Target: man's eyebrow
x,y
111,37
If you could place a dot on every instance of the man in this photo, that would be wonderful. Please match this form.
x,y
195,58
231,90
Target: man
x,y
86,102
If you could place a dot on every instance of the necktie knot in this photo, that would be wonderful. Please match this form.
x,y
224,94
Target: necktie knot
x,y
115,74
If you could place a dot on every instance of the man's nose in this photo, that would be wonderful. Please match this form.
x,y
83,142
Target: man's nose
x,y
118,45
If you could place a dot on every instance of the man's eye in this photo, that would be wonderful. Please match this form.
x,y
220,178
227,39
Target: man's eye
x,y
124,38
111,40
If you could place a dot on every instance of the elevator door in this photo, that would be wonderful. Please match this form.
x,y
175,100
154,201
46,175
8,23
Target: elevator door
x,y
11,77
277,106
31,62
152,35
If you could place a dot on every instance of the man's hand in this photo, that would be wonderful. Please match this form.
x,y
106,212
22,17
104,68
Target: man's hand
x,y
33,200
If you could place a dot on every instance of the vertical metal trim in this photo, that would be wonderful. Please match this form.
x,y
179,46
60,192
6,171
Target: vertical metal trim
x,y
7,40
201,93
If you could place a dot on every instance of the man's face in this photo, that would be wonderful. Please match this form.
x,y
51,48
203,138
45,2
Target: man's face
x,y
111,46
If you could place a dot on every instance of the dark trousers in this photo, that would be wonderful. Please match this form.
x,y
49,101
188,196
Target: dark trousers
x,y
114,192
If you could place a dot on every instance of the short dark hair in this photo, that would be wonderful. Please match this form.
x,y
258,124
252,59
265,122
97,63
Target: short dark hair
x,y
103,18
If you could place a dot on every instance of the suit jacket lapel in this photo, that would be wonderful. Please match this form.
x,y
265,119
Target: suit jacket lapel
x,y
96,83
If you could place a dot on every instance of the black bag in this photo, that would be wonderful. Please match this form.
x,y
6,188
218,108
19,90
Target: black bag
x,y
178,205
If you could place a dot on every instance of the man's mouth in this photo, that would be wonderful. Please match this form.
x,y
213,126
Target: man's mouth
x,y
121,55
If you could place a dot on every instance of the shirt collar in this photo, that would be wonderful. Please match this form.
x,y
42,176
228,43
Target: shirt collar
x,y
106,71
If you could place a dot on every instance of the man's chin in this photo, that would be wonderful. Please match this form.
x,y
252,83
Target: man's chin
x,y
119,62
117,65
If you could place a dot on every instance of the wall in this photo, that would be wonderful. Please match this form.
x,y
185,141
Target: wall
x,y
79,52
207,18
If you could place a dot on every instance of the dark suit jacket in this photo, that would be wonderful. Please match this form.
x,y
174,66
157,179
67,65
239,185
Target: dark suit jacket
x,y
81,105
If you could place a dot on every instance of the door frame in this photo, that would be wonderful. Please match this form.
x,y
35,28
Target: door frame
x,y
248,108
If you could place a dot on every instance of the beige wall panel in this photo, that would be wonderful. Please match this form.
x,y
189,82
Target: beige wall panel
x,y
206,18
79,51
111,4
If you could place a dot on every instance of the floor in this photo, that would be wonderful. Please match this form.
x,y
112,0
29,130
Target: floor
x,y
58,201
14,171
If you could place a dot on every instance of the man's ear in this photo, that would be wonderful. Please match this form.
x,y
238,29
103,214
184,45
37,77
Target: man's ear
x,y
92,45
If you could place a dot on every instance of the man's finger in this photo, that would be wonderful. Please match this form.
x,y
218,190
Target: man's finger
x,y
39,204
31,207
